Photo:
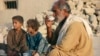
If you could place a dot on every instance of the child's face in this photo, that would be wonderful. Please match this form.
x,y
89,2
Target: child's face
x,y
16,24
30,30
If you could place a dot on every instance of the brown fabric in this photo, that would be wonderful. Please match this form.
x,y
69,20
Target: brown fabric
x,y
17,42
12,53
76,42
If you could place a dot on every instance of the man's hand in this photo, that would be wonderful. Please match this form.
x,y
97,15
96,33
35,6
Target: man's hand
x,y
48,23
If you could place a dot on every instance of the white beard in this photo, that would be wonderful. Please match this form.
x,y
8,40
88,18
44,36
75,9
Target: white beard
x,y
60,18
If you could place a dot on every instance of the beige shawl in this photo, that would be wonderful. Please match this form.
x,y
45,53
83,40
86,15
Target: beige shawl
x,y
71,19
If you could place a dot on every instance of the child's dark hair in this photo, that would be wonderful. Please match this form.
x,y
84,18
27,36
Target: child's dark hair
x,y
18,18
33,23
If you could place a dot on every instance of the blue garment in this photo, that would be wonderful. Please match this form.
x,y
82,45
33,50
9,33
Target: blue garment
x,y
37,43
33,41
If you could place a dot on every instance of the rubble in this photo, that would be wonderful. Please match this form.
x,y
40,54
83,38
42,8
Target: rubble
x,y
87,10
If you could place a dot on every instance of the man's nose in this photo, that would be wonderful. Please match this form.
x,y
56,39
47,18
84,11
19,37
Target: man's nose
x,y
14,24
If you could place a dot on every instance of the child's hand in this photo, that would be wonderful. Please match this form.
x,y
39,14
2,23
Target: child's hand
x,y
33,53
36,54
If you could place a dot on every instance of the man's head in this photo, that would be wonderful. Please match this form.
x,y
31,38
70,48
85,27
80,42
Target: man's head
x,y
61,10
17,21
32,26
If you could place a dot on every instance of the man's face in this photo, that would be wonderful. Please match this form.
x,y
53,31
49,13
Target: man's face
x,y
59,14
16,24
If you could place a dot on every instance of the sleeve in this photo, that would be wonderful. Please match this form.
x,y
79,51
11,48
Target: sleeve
x,y
9,41
71,39
41,46
50,39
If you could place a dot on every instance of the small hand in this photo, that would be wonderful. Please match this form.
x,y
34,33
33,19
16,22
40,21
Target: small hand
x,y
33,53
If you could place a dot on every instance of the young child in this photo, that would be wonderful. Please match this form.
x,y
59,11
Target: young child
x,y
35,41
16,39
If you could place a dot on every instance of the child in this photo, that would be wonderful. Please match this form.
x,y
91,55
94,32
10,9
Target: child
x,y
16,39
35,41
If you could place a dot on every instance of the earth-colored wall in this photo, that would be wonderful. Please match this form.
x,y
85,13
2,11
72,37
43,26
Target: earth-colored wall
x,y
26,8
29,8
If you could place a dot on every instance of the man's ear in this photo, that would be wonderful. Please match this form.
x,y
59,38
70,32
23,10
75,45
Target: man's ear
x,y
65,11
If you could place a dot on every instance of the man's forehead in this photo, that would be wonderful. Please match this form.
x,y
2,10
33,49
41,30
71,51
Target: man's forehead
x,y
55,7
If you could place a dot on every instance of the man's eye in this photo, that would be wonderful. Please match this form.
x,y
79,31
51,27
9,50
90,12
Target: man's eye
x,y
54,10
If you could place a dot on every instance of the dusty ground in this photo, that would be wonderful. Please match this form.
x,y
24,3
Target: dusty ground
x,y
96,42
